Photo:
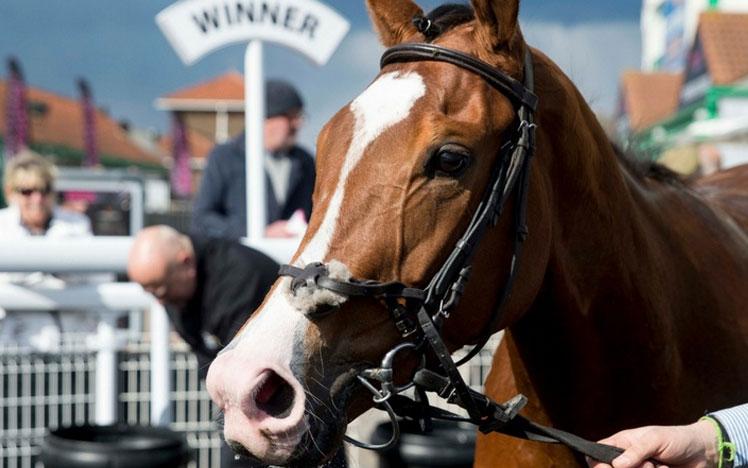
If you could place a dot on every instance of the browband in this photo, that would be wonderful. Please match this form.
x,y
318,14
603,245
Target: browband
x,y
505,84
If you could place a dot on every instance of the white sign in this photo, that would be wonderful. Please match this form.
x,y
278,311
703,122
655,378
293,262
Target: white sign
x,y
197,27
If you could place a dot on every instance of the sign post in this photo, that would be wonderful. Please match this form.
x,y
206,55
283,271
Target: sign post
x,y
254,116
195,28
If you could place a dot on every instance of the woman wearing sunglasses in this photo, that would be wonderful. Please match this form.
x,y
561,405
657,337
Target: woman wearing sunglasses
x,y
29,190
28,185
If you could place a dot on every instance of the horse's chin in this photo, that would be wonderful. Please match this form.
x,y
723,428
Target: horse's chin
x,y
327,423
313,447
317,447
307,446
272,454
275,448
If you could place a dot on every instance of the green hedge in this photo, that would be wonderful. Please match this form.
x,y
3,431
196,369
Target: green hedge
x,y
66,156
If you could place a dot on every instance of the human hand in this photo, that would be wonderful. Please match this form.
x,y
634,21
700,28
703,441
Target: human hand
x,y
279,229
692,446
293,227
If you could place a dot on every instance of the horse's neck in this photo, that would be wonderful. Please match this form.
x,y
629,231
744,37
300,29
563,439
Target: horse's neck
x,y
605,238
629,242
620,282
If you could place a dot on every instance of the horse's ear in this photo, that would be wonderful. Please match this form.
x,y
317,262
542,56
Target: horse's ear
x,y
393,19
497,22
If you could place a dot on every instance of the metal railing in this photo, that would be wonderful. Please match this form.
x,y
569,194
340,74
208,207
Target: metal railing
x,y
55,393
43,391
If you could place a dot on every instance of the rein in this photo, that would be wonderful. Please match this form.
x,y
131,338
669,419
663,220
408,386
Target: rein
x,y
419,314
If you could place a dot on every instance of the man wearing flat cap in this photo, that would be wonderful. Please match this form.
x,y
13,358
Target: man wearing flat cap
x,y
220,206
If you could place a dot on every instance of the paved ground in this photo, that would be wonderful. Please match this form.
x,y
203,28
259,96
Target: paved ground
x,y
361,429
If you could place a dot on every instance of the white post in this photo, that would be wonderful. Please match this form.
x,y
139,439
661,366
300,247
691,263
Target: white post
x,y
106,371
160,372
254,115
65,255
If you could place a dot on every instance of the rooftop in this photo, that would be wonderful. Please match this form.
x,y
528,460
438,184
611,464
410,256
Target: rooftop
x,y
57,121
650,97
724,38
227,89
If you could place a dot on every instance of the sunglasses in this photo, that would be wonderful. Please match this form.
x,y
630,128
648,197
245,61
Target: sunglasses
x,y
27,192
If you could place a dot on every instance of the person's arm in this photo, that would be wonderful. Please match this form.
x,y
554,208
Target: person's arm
x,y
691,446
208,213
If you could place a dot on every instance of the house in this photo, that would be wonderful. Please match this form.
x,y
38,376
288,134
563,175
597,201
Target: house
x,y
213,109
57,129
211,112
710,119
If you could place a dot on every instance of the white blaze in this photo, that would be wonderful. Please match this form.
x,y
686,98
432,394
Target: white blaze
x,y
386,102
272,334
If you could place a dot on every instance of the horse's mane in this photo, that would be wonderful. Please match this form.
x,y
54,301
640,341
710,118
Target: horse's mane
x,y
643,168
447,16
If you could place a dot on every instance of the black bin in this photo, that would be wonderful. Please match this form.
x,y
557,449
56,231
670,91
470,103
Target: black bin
x,y
449,444
115,446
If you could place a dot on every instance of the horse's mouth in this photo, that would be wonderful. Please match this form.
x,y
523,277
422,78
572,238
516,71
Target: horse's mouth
x,y
326,420
276,448
311,445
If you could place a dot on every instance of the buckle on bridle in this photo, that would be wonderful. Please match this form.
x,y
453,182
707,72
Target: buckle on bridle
x,y
384,374
503,414
308,276
528,125
403,320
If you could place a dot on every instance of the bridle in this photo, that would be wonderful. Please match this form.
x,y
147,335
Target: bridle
x,y
419,314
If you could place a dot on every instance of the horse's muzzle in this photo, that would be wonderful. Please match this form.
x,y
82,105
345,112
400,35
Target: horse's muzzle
x,y
263,405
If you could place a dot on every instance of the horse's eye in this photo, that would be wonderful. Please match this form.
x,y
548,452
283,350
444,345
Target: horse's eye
x,y
451,161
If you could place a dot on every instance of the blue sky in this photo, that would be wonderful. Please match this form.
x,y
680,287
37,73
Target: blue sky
x,y
117,46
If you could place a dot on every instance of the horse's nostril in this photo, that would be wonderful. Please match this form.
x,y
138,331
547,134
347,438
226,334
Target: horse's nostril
x,y
275,396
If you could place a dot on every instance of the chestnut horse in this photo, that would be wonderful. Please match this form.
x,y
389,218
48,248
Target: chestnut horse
x,y
628,306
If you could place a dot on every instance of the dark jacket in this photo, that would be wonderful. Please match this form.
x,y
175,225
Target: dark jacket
x,y
220,205
232,280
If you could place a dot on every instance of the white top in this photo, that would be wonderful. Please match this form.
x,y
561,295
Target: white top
x,y
278,168
64,224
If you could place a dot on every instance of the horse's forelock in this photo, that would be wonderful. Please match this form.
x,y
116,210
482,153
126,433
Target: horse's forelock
x,y
446,17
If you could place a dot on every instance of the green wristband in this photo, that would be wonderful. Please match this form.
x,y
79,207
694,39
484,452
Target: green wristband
x,y
725,448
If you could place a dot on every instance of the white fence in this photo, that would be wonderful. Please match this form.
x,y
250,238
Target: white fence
x,y
45,391
116,374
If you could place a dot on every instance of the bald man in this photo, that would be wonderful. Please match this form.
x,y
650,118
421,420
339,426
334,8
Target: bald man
x,y
209,286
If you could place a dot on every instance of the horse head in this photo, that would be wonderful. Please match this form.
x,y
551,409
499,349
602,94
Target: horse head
x,y
401,172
